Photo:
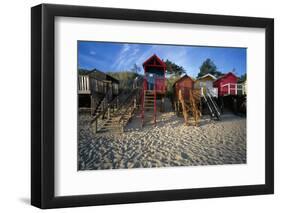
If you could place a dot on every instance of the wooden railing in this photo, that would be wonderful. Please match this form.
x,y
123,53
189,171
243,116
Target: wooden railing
x,y
159,84
232,89
212,91
83,84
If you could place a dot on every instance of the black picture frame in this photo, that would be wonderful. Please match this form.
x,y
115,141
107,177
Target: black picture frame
x,y
43,102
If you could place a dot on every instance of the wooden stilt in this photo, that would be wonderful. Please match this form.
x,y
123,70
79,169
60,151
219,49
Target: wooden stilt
x,y
95,126
163,104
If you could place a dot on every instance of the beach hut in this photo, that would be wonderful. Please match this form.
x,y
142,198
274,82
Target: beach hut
x,y
185,84
244,87
206,83
187,99
154,85
226,84
95,87
154,72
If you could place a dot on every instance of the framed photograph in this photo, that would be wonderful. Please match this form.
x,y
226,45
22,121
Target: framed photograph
x,y
139,106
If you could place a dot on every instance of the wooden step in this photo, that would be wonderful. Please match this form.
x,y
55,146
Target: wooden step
x,y
111,127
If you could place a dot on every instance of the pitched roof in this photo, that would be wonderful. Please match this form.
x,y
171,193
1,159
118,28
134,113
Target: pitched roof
x,y
99,75
182,78
225,76
154,58
207,75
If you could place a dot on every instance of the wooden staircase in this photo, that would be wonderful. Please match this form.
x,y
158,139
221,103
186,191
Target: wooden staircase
x,y
191,106
119,119
99,107
148,106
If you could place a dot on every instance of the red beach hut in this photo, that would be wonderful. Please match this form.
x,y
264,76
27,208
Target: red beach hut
x,y
154,72
154,85
226,84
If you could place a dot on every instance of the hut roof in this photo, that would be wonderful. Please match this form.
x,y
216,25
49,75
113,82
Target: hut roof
x,y
226,76
154,60
182,78
207,75
99,75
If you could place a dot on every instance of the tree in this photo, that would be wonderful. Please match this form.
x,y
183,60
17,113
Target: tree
x,y
174,69
243,77
208,66
136,68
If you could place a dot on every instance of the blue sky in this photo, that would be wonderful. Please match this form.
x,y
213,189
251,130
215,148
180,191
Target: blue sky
x,y
107,56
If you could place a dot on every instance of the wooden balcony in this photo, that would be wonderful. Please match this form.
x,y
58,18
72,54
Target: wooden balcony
x,y
83,84
232,89
159,85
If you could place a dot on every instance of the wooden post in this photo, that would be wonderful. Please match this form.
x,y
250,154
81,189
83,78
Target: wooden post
x,y
92,105
184,110
163,104
95,126
155,105
235,89
178,108
108,111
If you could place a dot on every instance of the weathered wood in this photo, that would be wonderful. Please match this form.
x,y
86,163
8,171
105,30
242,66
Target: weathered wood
x,y
95,126
184,109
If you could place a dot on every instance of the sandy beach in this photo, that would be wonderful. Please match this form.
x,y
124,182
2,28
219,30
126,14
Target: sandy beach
x,y
169,143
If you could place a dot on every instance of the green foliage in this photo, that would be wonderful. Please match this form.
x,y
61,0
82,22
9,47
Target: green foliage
x,y
170,83
208,66
136,68
126,78
174,69
242,78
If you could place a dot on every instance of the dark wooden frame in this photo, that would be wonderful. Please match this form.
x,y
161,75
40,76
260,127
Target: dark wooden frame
x,y
42,105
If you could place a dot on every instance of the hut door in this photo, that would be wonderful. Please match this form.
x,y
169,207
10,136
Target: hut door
x,y
151,81
209,85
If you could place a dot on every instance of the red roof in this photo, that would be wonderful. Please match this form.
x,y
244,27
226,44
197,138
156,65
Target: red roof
x,y
225,76
182,78
152,60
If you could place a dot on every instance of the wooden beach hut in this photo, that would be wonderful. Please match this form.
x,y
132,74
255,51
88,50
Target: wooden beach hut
x,y
206,83
232,95
154,71
95,88
185,84
187,99
154,85
226,84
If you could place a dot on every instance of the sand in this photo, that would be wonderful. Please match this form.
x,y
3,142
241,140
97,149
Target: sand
x,y
169,143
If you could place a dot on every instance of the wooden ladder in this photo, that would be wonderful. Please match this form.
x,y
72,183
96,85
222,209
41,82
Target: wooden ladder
x,y
194,100
190,107
149,103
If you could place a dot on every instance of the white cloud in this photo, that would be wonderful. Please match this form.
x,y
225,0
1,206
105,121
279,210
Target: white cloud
x,y
126,57
92,52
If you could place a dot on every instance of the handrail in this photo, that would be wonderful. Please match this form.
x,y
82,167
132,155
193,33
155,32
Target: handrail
x,y
213,103
159,83
237,87
129,104
108,105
